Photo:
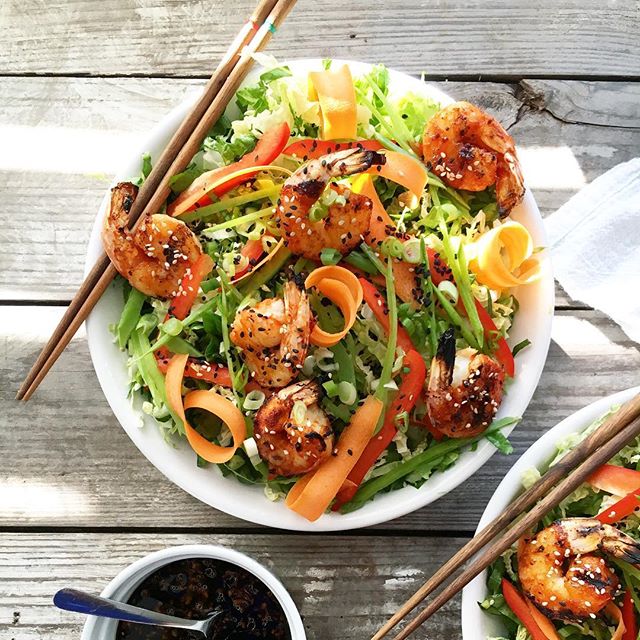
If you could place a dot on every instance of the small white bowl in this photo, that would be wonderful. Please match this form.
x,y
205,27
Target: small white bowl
x,y
124,584
178,463
476,624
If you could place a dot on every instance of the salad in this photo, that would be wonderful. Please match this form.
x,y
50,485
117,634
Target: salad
x,y
577,575
322,305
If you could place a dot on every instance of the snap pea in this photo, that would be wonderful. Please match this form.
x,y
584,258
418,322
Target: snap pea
x,y
455,317
129,316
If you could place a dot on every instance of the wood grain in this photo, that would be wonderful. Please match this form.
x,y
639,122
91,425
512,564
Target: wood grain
x,y
343,586
447,38
78,129
67,450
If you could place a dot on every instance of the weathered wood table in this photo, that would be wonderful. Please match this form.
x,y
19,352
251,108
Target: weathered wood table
x,y
81,82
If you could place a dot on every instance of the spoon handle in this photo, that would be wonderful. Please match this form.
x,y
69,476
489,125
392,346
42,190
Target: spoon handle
x,y
82,602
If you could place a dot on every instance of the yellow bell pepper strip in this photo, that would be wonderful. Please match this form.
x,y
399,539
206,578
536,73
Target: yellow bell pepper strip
x,y
209,401
267,149
336,94
618,481
502,257
405,400
343,289
518,605
312,494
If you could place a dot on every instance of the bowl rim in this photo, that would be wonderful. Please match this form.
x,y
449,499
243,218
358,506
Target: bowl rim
x,y
472,617
126,581
384,508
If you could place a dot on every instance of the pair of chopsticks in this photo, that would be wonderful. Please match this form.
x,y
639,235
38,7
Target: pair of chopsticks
x,y
252,37
559,482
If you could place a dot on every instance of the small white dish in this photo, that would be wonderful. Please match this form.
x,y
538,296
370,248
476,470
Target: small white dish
x,y
124,584
249,502
476,624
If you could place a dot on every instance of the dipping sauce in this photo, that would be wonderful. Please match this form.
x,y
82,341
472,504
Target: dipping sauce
x,y
195,588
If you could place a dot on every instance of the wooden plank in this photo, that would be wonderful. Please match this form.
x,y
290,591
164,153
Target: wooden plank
x,y
174,38
344,587
66,451
69,134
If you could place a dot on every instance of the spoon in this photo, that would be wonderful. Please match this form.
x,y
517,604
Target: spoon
x,y
82,602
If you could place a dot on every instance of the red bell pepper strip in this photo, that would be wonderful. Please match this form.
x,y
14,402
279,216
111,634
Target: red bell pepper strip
x,y
621,509
253,251
311,148
197,369
267,149
503,353
406,398
629,617
518,605
618,481
379,307
188,292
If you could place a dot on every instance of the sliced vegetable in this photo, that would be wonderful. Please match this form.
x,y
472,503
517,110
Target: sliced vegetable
x,y
617,481
519,606
405,400
341,296
613,611
312,149
629,617
267,149
313,493
199,369
209,401
378,305
621,509
188,291
502,257
503,353
334,90
546,626
252,251
129,316
404,170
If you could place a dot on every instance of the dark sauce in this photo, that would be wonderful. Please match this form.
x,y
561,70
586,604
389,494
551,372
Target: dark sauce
x,y
194,588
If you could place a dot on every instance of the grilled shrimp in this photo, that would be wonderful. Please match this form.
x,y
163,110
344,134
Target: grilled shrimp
x,y
291,441
469,149
156,255
344,224
274,336
560,573
464,391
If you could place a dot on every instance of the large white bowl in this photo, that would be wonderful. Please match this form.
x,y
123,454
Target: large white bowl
x,y
476,624
126,582
248,502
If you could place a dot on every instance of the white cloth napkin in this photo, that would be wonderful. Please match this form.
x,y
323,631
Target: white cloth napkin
x,y
595,245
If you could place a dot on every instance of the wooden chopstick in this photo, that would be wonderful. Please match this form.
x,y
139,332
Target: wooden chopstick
x,y
599,447
253,36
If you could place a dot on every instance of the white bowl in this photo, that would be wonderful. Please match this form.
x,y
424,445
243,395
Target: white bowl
x,y
248,502
476,624
125,583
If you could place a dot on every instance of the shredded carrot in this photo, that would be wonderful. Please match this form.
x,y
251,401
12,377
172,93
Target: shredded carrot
x,y
614,612
345,291
210,401
403,272
336,93
404,170
312,494
546,626
501,258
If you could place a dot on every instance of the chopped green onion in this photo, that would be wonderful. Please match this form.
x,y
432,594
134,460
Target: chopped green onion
x,y
172,327
251,449
330,256
254,400
331,388
324,360
347,392
392,247
299,411
449,290
411,250
308,365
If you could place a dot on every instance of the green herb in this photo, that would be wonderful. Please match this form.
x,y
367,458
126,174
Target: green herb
x,y
500,442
